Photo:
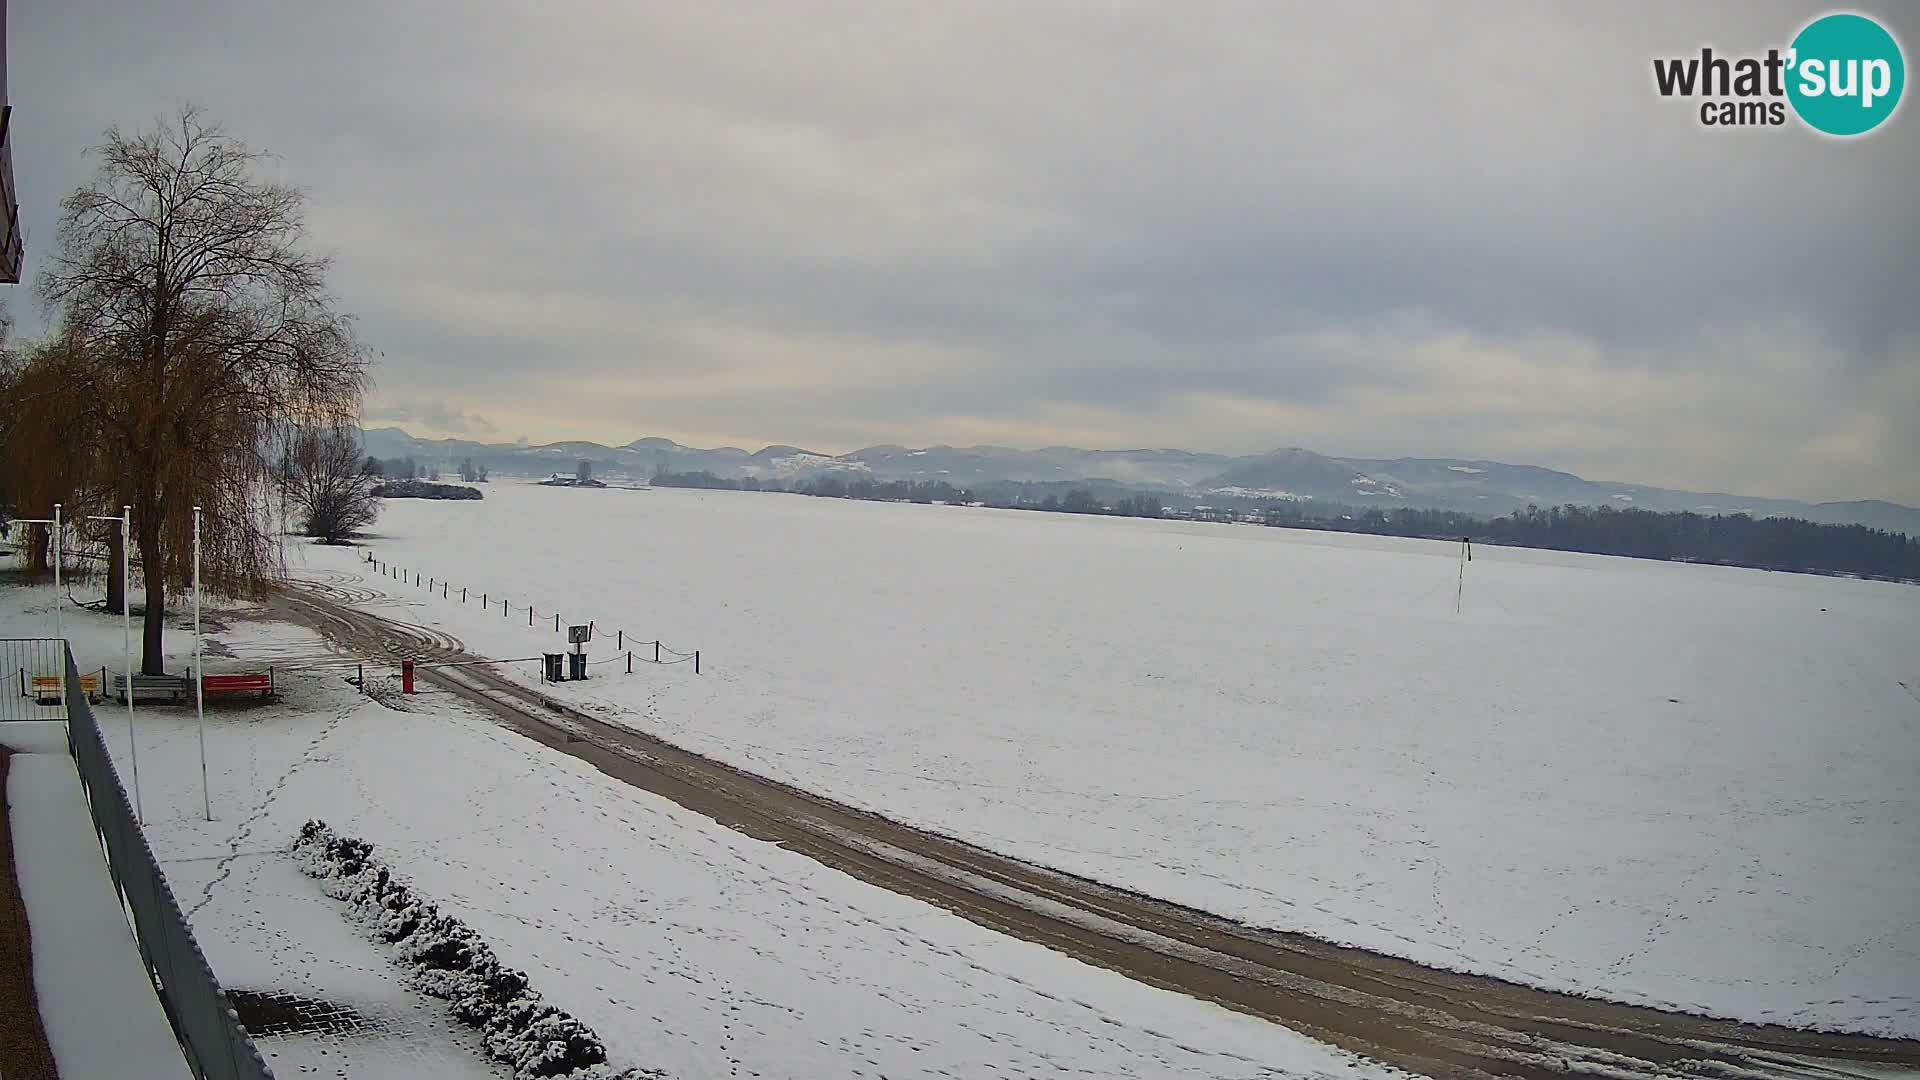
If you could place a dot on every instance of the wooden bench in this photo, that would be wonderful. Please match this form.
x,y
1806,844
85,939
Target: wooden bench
x,y
47,689
168,688
234,683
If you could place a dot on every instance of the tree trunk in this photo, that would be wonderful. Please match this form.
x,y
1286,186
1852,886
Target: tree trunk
x,y
116,556
153,660
39,544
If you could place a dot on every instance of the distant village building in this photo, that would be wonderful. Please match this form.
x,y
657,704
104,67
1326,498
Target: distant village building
x,y
556,480
582,477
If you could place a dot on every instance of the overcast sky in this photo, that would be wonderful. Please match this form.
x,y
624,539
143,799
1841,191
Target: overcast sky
x,y
1369,230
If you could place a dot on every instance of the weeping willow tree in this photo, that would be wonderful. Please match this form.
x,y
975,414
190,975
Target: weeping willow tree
x,y
203,333
49,444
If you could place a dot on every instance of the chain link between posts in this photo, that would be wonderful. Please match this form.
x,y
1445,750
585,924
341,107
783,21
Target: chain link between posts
x,y
631,647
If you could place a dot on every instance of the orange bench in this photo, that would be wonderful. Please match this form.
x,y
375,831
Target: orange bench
x,y
238,683
48,689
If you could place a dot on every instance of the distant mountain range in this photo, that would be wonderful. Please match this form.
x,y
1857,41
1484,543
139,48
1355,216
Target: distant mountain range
x,y
1482,487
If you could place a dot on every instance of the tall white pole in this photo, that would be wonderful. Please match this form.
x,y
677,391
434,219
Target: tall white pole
x,y
126,631
59,596
199,676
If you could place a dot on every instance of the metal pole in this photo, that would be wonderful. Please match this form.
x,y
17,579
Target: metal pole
x,y
126,633
58,595
199,674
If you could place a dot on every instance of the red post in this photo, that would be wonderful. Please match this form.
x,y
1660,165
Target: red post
x,y
629,663
696,661
406,675
656,652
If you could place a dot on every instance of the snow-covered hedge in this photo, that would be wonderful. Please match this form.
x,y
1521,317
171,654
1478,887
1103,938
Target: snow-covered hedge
x,y
449,961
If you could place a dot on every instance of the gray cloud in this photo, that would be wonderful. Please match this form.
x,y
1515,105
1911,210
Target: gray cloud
x,y
429,418
1459,230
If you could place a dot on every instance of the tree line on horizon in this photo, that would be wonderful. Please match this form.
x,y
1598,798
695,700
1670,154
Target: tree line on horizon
x,y
1768,543
406,468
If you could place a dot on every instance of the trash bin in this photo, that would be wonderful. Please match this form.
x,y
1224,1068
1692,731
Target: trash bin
x,y
551,668
576,665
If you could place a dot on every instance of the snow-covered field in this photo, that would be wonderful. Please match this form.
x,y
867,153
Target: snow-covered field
x,y
685,945
1680,785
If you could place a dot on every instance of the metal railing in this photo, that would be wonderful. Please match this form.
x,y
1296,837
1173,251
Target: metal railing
x,y
30,687
208,1028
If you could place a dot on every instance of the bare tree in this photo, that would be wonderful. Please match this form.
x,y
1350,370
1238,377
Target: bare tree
x,y
330,485
186,280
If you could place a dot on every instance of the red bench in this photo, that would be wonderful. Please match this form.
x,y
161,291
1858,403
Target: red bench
x,y
238,683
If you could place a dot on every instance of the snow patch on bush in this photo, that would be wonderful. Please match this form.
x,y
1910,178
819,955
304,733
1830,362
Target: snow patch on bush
x,y
449,961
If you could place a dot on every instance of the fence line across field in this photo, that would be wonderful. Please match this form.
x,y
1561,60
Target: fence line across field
x,y
331,662
404,667
444,587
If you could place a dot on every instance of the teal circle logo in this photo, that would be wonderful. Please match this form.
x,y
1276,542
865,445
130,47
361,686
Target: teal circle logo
x,y
1845,74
